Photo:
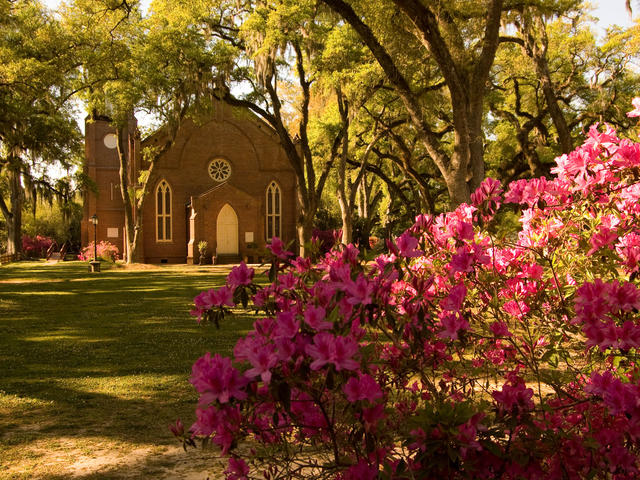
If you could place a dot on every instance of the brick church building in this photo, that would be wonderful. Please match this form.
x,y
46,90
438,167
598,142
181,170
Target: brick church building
x,y
226,181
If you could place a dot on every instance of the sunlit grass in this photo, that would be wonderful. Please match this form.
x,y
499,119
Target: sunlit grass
x,y
98,362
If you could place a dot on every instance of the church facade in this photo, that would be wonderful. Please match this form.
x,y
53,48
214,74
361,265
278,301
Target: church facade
x,y
226,181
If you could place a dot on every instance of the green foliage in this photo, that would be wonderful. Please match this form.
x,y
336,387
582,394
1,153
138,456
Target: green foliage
x,y
58,221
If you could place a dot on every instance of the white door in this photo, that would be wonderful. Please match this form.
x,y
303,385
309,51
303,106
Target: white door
x,y
227,231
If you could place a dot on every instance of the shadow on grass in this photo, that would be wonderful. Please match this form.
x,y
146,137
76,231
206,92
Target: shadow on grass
x,y
105,355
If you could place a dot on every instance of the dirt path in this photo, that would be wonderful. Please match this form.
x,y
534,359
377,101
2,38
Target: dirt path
x,y
93,460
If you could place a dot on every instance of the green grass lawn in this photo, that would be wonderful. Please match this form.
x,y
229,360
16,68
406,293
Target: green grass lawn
x,y
96,366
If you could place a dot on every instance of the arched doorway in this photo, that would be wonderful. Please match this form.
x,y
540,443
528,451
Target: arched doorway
x,y
227,231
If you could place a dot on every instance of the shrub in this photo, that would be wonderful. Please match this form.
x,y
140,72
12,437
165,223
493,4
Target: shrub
x,y
326,239
456,355
36,246
106,251
59,222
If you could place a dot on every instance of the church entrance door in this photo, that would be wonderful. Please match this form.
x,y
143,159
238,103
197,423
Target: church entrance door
x,y
227,231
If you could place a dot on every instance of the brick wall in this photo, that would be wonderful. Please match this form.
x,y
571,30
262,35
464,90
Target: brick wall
x,y
247,144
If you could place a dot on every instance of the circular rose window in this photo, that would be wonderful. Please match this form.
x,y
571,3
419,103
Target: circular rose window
x,y
219,170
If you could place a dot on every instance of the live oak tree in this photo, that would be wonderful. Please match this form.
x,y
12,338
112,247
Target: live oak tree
x,y
588,81
37,128
274,45
159,65
462,40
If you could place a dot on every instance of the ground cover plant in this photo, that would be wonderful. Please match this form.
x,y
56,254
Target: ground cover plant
x,y
459,354
94,367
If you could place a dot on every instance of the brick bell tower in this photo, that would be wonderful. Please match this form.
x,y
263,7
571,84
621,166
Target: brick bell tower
x,y
102,166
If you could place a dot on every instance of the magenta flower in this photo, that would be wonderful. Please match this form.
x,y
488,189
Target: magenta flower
x,y
177,428
217,380
363,387
286,325
636,108
452,324
407,244
276,247
240,275
360,292
372,415
285,348
224,297
488,196
516,308
344,349
361,471
262,360
462,261
222,424
212,298
453,302
237,469
322,350
327,348
315,318
500,329
618,397
514,397
604,237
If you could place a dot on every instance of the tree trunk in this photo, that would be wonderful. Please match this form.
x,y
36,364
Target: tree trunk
x,y
466,83
304,228
343,194
130,237
538,54
14,219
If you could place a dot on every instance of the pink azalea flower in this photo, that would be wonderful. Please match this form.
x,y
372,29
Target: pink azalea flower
x,y
453,302
223,424
363,387
636,108
315,318
462,261
262,360
618,397
285,348
628,248
224,297
516,308
321,350
327,348
361,471
452,324
217,380
603,238
407,244
237,469
240,275
344,349
500,329
514,397
360,292
286,325
372,415
488,195
276,246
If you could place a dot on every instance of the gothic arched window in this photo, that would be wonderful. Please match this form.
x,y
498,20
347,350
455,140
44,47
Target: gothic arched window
x,y
274,209
163,212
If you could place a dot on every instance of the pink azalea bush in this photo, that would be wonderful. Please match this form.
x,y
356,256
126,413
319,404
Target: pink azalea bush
x,y
36,246
107,251
456,355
